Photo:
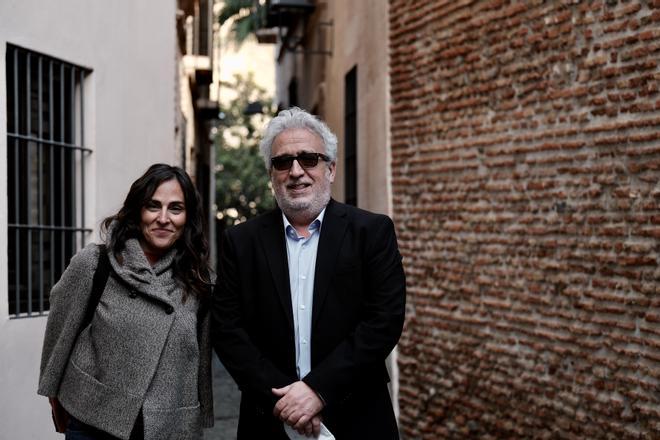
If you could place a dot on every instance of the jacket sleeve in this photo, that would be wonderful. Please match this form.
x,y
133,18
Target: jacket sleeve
x,y
356,359
68,300
252,371
205,374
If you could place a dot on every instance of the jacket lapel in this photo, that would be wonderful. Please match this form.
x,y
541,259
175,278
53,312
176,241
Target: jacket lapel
x,y
332,236
274,247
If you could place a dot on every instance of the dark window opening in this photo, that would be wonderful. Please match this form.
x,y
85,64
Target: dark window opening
x,y
45,174
350,137
293,92
205,15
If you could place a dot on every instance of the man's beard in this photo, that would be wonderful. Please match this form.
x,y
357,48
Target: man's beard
x,y
303,209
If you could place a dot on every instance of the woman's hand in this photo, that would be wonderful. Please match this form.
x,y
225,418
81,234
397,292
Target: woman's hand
x,y
60,416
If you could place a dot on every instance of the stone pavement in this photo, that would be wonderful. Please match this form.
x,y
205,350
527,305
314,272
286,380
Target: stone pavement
x,y
226,399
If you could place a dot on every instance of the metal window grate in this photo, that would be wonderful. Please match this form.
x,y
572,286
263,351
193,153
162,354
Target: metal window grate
x,y
350,137
45,174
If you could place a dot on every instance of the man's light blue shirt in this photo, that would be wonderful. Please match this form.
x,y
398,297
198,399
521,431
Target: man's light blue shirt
x,y
301,254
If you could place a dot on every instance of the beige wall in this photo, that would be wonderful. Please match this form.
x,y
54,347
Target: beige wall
x,y
358,36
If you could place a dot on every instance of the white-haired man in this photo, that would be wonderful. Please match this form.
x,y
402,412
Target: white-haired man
x,y
310,300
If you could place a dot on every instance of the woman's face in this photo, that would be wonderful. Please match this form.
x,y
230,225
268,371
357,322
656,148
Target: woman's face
x,y
163,219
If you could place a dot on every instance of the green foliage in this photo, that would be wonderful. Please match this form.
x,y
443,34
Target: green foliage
x,y
247,17
242,182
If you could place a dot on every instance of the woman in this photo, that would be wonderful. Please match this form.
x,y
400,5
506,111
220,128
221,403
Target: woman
x,y
141,368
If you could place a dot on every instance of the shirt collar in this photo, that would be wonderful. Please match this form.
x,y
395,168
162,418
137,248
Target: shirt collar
x,y
316,224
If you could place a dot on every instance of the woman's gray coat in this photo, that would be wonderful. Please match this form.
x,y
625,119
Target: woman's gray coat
x,y
143,350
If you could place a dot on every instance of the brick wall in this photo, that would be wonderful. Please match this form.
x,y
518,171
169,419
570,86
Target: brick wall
x,y
525,163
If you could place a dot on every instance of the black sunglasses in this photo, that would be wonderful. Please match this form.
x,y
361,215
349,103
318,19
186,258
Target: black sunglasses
x,y
306,160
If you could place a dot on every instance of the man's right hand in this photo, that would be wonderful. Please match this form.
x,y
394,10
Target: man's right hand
x,y
298,406
312,428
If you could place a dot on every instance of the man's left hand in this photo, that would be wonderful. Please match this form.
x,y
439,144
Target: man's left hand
x,y
298,404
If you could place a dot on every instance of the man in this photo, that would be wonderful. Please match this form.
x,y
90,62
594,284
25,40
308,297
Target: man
x,y
310,299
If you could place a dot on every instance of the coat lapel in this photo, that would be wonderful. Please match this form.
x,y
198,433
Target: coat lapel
x,y
273,241
332,236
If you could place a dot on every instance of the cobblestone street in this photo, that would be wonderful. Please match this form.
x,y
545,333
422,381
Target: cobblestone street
x,y
226,402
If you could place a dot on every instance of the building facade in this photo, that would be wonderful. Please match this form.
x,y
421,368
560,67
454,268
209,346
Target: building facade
x,y
332,60
90,96
525,152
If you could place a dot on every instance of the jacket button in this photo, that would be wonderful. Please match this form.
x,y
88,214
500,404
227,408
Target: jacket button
x,y
133,294
169,310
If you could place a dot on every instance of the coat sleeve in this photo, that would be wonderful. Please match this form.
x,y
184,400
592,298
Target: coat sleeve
x,y
356,359
205,374
252,371
68,300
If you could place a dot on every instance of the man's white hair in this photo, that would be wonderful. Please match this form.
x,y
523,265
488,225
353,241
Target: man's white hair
x,y
297,118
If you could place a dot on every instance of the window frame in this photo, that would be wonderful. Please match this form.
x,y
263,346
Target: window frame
x,y
46,158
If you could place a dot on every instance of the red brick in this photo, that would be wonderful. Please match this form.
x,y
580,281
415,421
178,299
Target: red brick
x,y
524,188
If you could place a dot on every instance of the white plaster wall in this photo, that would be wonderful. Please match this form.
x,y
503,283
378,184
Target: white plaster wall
x,y
129,123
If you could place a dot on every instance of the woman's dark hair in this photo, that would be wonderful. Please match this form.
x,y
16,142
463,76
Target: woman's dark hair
x,y
191,261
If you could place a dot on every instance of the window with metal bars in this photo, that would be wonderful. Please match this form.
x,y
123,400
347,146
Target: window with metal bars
x,y
46,157
350,137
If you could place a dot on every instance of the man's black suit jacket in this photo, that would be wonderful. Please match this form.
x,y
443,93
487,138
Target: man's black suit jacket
x,y
357,318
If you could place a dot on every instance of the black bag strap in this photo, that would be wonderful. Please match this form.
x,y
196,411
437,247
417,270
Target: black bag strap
x,y
99,281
